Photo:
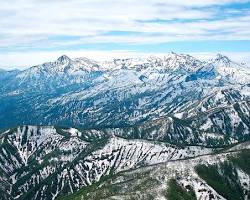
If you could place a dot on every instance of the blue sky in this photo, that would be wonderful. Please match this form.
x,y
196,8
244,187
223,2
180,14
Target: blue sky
x,y
33,31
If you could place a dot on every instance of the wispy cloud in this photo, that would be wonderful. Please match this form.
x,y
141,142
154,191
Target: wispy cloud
x,y
32,25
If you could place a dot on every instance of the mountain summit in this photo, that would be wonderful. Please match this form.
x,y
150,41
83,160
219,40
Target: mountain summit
x,y
122,92
131,128
63,59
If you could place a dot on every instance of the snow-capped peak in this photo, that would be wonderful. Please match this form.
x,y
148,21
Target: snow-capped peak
x,y
63,59
183,62
222,59
80,69
229,70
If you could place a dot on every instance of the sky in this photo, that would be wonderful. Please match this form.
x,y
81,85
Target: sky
x,y
35,31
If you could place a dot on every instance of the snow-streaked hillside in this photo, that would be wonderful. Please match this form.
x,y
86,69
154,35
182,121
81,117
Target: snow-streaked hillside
x,y
38,162
153,182
44,162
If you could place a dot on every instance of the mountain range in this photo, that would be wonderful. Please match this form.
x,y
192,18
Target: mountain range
x,y
137,128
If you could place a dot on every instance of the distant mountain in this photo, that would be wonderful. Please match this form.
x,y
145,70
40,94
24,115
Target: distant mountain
x,y
5,75
232,71
136,128
212,96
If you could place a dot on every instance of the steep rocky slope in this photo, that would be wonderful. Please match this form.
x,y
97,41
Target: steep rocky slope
x,y
143,129
44,162
86,93
225,175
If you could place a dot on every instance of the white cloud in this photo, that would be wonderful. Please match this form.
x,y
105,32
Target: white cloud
x,y
31,23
